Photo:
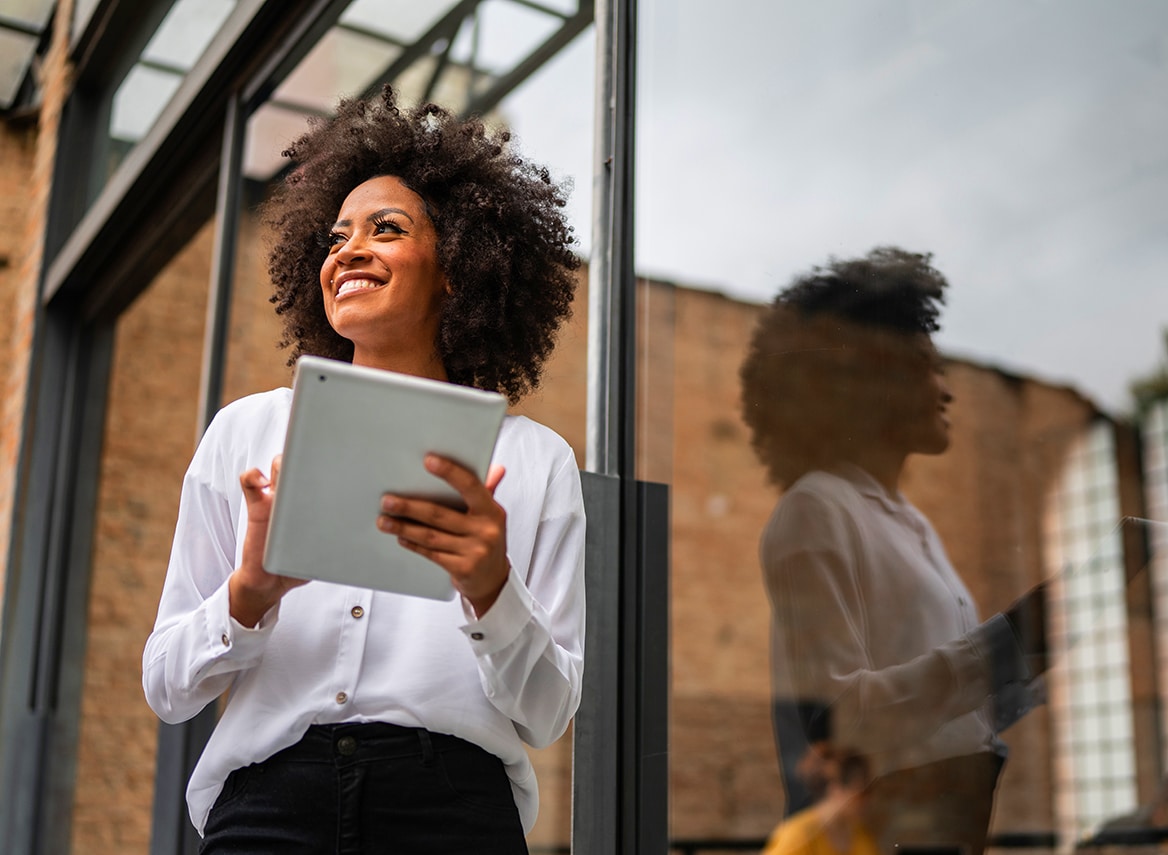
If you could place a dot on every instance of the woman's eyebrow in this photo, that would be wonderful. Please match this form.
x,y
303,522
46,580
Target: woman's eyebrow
x,y
341,224
379,214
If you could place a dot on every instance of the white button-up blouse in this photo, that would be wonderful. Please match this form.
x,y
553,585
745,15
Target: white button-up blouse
x,y
329,653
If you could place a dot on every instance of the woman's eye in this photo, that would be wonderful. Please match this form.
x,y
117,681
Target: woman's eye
x,y
387,227
333,239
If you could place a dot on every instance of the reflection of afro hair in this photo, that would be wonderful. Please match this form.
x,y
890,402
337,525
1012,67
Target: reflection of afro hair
x,y
503,242
811,380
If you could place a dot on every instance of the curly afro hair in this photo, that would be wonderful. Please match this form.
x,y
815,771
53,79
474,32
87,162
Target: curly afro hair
x,y
828,356
503,241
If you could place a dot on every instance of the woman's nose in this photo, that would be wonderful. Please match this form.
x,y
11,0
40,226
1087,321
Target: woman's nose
x,y
353,249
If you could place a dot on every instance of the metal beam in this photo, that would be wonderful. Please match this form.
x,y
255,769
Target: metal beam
x,y
612,281
505,85
620,802
43,649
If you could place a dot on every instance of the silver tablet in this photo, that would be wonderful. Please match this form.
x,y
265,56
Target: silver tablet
x,y
355,433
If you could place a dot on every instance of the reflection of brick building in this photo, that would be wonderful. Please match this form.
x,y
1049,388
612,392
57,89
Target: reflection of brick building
x,y
989,497
1015,443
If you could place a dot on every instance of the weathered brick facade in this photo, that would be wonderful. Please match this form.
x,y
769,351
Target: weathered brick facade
x,y
18,264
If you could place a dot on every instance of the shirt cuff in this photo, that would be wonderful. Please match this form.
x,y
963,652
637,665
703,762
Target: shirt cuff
x,y
227,636
1013,694
504,620
998,644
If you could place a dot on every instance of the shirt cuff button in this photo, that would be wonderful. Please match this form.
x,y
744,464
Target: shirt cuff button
x,y
476,636
341,697
226,641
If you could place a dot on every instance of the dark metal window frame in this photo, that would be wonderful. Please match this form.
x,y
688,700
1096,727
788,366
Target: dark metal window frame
x,y
93,273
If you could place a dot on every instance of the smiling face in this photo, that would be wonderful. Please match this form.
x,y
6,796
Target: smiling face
x,y
383,288
918,396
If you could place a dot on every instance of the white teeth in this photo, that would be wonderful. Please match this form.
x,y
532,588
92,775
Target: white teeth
x,y
358,285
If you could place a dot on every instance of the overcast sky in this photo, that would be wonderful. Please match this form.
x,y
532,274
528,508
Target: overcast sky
x,y
1023,142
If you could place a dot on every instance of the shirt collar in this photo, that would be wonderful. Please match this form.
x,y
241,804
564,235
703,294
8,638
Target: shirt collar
x,y
869,487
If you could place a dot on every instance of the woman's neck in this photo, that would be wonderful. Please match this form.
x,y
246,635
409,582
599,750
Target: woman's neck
x,y
416,365
882,464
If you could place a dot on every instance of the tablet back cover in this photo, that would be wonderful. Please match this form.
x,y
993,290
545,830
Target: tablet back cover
x,y
354,434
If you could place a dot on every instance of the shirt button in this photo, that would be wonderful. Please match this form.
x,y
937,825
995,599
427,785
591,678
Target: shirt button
x,y
477,636
357,612
226,641
346,746
341,697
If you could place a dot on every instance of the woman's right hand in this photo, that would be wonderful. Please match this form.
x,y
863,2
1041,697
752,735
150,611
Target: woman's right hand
x,y
252,590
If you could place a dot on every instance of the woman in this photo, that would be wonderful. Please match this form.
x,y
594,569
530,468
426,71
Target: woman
x,y
877,642
361,721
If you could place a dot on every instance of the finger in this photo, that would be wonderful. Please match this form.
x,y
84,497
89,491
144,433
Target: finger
x,y
477,497
423,536
276,462
254,483
428,513
494,476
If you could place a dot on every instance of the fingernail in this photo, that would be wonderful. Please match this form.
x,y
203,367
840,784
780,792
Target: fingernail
x,y
432,462
388,504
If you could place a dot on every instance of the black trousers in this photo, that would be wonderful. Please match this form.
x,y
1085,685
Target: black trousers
x,y
944,806
360,789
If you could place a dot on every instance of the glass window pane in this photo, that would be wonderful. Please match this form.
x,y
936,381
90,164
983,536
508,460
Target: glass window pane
x,y
186,31
34,13
16,52
822,548
140,100
152,81
400,20
341,63
503,33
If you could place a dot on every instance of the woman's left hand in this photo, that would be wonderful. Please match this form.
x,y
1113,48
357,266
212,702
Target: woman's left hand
x,y
470,545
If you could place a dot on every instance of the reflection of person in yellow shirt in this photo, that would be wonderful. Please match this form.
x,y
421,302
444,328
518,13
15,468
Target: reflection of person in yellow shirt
x,y
833,825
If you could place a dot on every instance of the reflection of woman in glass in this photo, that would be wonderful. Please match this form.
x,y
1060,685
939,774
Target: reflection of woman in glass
x,y
361,721
834,824
877,642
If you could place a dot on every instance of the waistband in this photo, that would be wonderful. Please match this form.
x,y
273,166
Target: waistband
x,y
364,741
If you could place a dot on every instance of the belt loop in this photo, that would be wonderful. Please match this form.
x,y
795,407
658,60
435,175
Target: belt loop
x,y
427,746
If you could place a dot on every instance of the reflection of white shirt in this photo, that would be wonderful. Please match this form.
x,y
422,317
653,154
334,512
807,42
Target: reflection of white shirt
x,y
330,653
872,621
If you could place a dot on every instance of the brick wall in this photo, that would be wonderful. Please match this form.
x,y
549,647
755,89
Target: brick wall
x,y
149,439
18,263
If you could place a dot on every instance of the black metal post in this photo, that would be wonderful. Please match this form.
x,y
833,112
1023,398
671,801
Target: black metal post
x,y
620,802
